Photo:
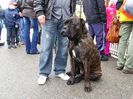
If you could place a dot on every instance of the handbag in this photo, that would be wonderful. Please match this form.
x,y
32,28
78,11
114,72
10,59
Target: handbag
x,y
113,33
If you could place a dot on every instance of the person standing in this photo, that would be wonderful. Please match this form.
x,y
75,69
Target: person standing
x,y
125,62
30,20
10,16
52,24
110,14
96,17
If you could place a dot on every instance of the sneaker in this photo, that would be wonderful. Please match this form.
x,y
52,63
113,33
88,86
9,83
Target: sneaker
x,y
21,43
127,71
9,46
14,46
63,76
104,58
18,44
37,52
119,67
42,79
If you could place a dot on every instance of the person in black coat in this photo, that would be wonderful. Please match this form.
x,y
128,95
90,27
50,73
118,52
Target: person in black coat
x,y
96,18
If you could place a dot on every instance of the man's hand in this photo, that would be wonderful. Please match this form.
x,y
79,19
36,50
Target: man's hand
x,y
41,19
21,14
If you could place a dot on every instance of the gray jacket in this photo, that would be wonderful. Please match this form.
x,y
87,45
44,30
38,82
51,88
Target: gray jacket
x,y
41,9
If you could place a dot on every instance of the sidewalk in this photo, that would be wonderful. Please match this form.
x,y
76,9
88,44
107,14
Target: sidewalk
x,y
19,74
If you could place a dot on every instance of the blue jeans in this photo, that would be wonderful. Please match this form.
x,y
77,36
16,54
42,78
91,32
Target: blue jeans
x,y
50,31
31,46
10,35
21,30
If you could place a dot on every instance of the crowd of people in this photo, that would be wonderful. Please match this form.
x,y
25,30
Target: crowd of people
x,y
48,17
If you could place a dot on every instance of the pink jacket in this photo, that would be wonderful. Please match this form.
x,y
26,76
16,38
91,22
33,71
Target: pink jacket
x,y
110,14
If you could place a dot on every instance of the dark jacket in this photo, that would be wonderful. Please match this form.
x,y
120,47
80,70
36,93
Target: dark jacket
x,y
10,16
42,9
26,8
94,11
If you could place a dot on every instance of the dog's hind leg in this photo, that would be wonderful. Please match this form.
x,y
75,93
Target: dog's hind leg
x,y
87,86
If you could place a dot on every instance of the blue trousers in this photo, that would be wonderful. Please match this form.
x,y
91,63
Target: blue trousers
x,y
97,31
10,35
51,31
31,45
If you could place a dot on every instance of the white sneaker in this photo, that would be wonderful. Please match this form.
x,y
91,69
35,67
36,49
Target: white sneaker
x,y
42,79
63,76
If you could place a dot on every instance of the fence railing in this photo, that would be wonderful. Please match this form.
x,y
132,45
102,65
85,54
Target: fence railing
x,y
114,49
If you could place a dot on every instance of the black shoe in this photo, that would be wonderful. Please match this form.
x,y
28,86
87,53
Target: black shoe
x,y
104,58
119,67
32,53
127,71
2,44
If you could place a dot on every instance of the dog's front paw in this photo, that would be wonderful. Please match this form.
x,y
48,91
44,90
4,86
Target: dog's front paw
x,y
78,79
71,81
68,73
87,87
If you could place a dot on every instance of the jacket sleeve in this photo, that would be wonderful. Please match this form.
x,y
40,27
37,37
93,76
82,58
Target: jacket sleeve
x,y
102,10
39,7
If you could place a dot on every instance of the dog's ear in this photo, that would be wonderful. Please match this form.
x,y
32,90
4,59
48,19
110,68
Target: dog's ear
x,y
83,26
67,21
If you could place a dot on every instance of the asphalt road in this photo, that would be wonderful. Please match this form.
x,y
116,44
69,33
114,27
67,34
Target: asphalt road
x,y
19,74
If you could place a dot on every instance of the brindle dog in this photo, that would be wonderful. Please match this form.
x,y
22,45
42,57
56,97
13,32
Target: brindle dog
x,y
84,56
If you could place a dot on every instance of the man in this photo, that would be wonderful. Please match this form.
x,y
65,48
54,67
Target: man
x,y
52,24
96,17
125,62
30,19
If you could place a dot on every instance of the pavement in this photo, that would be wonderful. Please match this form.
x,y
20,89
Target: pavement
x,y
19,74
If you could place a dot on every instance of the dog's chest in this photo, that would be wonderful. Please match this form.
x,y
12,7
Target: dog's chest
x,y
76,53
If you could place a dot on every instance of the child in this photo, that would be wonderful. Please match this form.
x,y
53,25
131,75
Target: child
x,y
9,19
110,14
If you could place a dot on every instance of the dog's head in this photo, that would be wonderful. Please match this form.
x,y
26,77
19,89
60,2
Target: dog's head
x,y
74,28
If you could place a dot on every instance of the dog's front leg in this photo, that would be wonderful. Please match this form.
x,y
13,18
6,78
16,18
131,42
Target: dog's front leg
x,y
71,81
87,86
